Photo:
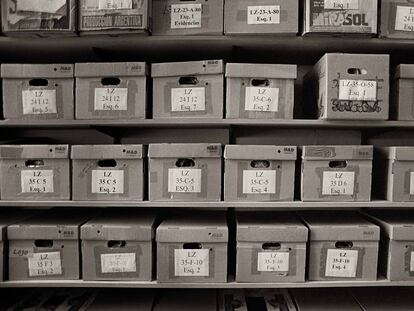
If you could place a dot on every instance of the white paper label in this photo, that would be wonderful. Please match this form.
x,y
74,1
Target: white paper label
x,y
40,6
37,181
262,99
412,183
404,19
357,90
44,264
259,182
111,99
188,99
338,183
185,16
118,263
263,14
412,262
187,180
341,263
192,262
115,4
39,101
273,262
108,181
341,4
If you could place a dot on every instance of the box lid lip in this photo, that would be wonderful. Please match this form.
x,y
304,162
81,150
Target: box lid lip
x,y
251,70
174,150
101,151
403,153
342,148
17,71
396,228
404,71
82,69
188,68
259,152
43,151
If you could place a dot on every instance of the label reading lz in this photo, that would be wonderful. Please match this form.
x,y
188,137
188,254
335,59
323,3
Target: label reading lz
x,y
185,16
44,264
357,90
182,180
341,4
192,262
262,99
412,183
188,99
111,98
412,262
404,19
341,263
273,262
338,183
118,263
115,4
263,14
108,181
37,181
39,101
259,182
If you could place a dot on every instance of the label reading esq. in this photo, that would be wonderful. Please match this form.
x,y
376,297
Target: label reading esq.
x,y
263,14
39,101
338,183
404,18
192,262
184,180
108,181
37,181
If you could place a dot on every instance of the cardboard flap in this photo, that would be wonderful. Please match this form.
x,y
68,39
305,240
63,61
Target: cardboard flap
x,y
34,152
177,69
10,217
398,153
397,225
110,69
107,152
404,71
270,71
337,152
37,70
251,152
185,151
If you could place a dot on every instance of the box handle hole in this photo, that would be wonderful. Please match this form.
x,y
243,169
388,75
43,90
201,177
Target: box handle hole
x,y
43,243
338,164
344,244
38,82
34,163
357,71
116,244
192,246
111,81
107,163
260,82
260,164
185,163
271,246
188,81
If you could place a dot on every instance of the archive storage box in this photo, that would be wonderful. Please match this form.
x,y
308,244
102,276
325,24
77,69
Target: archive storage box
x,y
271,248
188,90
351,86
261,17
108,172
114,17
260,91
38,92
185,172
180,17
192,249
118,245
402,107
34,172
259,173
188,300
336,173
342,246
111,90
397,19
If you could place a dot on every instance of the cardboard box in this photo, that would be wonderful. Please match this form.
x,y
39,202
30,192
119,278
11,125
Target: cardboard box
x,y
198,17
108,172
261,17
336,173
46,246
38,92
39,18
187,300
343,247
351,86
384,299
129,300
341,17
271,248
114,17
192,249
111,90
260,91
34,172
402,107
397,19
188,90
259,173
269,300
185,172
118,245
231,299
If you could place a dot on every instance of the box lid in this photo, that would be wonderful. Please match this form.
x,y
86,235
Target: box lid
x,y
110,69
185,151
337,152
34,152
190,300
397,225
11,217
129,300
397,153
271,227
405,71
271,71
251,152
339,226
206,67
37,70
107,152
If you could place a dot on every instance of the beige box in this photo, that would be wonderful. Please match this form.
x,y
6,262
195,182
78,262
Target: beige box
x,y
38,92
111,90
336,173
185,172
108,172
351,86
231,299
114,17
261,17
259,173
343,246
397,19
187,300
196,17
402,107
192,249
271,248
357,17
131,300
188,90
260,91
118,245
34,172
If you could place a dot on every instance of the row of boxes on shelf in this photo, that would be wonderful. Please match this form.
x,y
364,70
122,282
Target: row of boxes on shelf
x,y
175,17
